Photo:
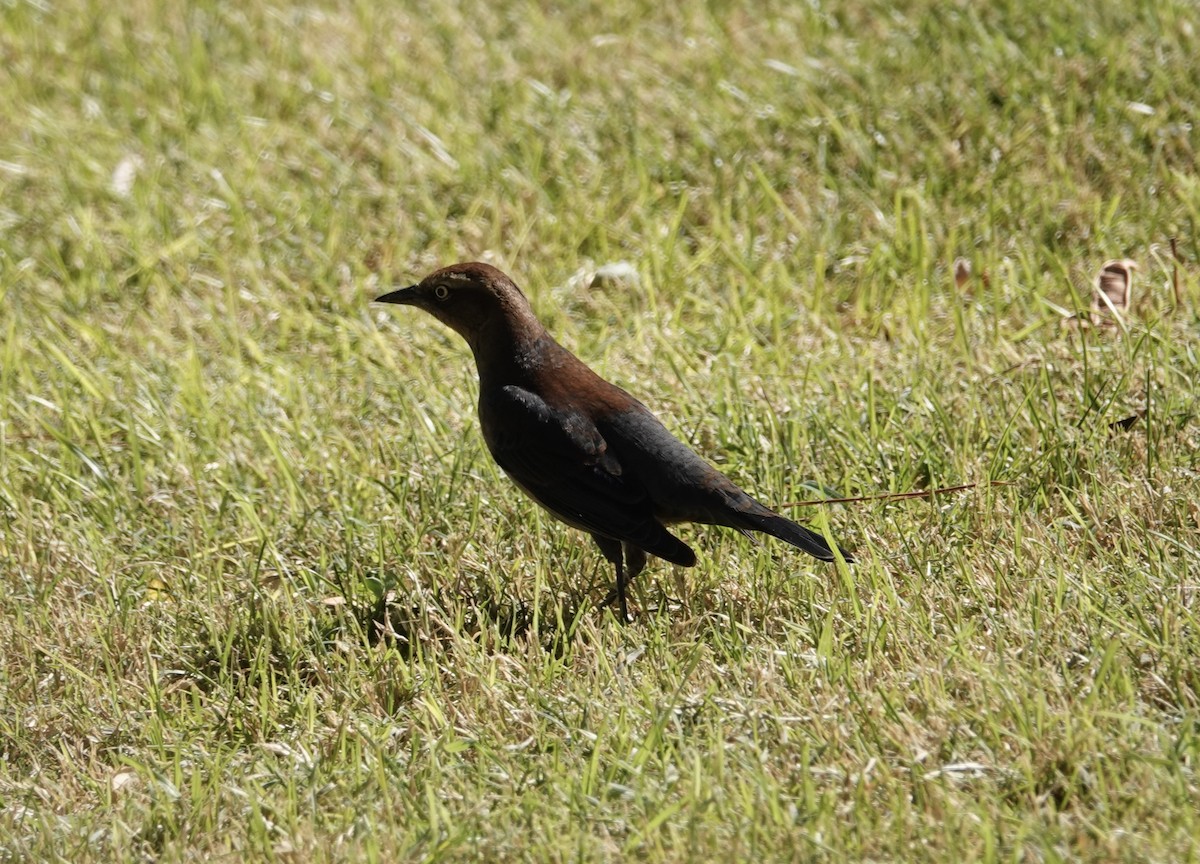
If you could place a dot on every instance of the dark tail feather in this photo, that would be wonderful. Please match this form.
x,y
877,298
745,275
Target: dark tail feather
x,y
789,532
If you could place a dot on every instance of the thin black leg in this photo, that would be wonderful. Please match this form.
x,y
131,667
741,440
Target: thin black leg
x,y
629,561
612,551
621,604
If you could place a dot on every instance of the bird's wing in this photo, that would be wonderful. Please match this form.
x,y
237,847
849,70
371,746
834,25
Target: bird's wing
x,y
560,458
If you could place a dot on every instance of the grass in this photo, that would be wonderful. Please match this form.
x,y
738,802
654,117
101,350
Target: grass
x,y
264,596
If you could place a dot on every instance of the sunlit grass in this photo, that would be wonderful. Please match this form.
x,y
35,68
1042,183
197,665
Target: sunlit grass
x,y
265,596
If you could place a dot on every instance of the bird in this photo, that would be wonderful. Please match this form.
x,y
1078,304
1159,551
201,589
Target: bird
x,y
589,453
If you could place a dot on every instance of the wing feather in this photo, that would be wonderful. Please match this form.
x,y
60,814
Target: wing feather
x,y
562,461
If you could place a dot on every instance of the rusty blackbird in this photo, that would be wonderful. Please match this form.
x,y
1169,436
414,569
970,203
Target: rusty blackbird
x,y
583,448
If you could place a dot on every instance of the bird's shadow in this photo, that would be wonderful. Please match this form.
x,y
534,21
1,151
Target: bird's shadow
x,y
415,620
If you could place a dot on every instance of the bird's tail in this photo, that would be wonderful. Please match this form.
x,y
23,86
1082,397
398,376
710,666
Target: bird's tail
x,y
769,522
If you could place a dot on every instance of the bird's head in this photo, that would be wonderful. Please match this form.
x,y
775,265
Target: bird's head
x,y
471,299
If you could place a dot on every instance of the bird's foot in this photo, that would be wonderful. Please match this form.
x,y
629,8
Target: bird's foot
x,y
621,613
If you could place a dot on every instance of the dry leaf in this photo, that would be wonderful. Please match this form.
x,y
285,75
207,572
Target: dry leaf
x,y
1114,286
121,182
962,272
122,779
616,272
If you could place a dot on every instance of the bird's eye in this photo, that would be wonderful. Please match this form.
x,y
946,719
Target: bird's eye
x,y
441,292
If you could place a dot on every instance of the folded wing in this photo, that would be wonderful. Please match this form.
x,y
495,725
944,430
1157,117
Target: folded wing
x,y
562,461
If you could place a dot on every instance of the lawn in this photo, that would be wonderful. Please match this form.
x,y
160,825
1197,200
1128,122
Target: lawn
x,y
265,597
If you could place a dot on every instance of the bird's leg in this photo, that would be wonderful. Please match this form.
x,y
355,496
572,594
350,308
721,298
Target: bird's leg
x,y
620,589
611,549
635,562
629,561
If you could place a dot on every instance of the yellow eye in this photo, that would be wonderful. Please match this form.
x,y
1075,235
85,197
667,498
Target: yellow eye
x,y
441,292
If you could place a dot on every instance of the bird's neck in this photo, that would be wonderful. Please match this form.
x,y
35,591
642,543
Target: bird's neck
x,y
507,349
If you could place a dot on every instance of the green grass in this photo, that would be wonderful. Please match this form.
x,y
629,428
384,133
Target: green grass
x,y
263,595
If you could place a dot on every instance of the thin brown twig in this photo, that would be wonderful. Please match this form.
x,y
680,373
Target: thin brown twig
x,y
894,496
1175,273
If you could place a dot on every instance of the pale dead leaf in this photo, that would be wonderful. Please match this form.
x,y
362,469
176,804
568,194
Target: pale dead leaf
x,y
616,272
121,183
1114,286
122,779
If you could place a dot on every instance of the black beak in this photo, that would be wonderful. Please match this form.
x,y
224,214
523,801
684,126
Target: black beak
x,y
404,296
